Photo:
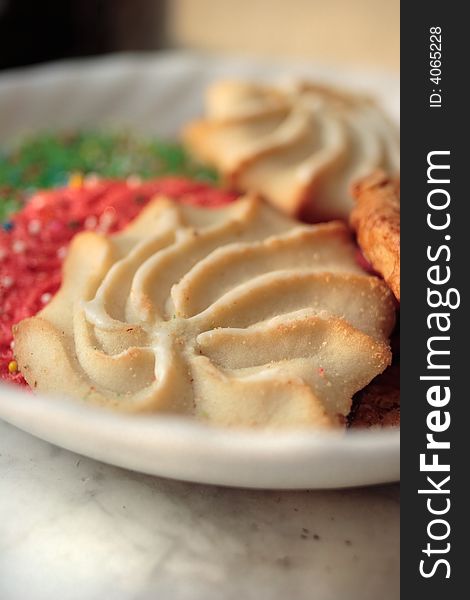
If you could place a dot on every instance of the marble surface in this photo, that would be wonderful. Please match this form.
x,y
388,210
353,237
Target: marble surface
x,y
72,528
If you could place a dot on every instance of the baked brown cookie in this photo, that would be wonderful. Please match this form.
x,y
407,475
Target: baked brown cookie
x,y
376,219
378,404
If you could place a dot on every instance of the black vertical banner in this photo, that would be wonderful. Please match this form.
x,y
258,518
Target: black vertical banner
x,y
435,351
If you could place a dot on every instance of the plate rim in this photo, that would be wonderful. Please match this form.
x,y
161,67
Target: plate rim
x,y
17,406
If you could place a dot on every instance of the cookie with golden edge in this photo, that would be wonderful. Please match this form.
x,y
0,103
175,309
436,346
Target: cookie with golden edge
x,y
299,146
238,315
376,219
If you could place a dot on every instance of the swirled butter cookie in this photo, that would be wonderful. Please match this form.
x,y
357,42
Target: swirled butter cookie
x,y
236,315
300,146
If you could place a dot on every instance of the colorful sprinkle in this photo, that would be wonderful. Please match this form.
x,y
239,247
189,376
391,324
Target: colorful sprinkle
x,y
92,180
18,246
34,227
133,181
61,252
91,222
46,297
6,282
76,181
107,219
13,367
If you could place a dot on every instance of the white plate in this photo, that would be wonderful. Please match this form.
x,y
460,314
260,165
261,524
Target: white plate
x,y
156,94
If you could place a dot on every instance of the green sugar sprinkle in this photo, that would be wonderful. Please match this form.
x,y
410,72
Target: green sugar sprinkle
x,y
8,205
46,160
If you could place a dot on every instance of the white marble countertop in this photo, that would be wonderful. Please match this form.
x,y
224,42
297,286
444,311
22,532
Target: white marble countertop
x,y
72,528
